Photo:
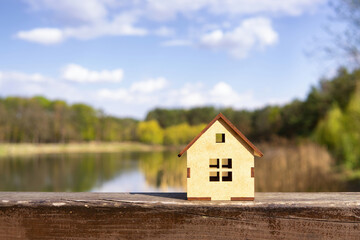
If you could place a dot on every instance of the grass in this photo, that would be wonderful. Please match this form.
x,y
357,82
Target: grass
x,y
11,149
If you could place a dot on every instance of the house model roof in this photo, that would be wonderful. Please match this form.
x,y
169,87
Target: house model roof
x,y
257,152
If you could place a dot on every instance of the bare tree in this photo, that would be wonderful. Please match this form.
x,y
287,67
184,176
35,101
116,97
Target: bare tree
x,y
344,31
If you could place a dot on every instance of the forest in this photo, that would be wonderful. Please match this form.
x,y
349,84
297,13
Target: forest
x,y
329,116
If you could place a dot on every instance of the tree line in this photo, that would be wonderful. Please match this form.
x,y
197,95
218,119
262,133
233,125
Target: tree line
x,y
40,120
330,115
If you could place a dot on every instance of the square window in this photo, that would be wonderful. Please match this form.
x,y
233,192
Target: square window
x,y
226,176
224,170
220,137
214,176
226,163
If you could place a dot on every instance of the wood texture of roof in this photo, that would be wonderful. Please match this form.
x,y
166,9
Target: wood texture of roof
x,y
257,152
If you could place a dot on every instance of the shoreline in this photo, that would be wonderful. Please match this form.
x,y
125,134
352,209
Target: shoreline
x,y
19,149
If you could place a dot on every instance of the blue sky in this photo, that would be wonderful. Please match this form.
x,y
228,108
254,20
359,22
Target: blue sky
x,y
127,57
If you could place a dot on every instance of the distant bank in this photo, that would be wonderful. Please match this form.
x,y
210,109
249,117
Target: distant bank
x,y
12,149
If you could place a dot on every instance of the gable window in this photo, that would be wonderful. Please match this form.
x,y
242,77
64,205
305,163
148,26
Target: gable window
x,y
220,137
224,170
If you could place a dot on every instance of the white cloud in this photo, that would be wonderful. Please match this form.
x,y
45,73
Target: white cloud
x,y
224,95
121,25
149,85
124,95
45,36
25,84
23,77
252,33
169,9
98,10
77,73
220,95
89,11
141,92
289,7
189,95
115,94
96,18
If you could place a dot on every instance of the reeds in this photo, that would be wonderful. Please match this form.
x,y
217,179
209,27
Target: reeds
x,y
290,167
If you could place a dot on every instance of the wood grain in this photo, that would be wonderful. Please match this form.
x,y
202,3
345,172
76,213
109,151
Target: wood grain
x,y
171,216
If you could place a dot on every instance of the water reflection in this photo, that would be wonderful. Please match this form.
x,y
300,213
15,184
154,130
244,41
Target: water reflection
x,y
125,171
62,172
284,168
164,169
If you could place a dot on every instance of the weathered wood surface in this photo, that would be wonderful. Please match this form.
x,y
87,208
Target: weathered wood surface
x,y
170,216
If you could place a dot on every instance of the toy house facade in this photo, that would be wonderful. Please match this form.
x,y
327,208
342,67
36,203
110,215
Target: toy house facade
x,y
220,163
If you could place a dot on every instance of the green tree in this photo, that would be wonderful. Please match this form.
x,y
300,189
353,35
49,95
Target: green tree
x,y
167,117
199,115
38,119
340,132
181,134
85,121
266,122
150,132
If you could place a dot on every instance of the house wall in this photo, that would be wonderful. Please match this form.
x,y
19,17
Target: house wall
x,y
198,155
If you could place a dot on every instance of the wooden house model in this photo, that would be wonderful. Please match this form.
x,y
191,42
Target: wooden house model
x,y
220,163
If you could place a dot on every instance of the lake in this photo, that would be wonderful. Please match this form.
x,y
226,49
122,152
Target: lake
x,y
100,172
283,168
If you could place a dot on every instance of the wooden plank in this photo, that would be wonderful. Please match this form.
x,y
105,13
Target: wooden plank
x,y
252,172
171,216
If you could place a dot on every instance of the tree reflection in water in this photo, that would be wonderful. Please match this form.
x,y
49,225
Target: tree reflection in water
x,y
62,172
163,169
